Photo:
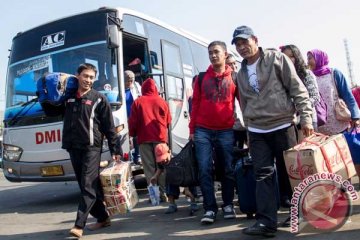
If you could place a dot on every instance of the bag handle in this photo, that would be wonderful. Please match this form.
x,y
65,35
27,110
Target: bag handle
x,y
336,92
308,140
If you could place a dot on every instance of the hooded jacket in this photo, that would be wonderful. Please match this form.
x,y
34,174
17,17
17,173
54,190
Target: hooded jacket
x,y
213,101
150,115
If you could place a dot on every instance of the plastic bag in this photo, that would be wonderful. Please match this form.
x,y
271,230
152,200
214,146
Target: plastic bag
x,y
154,193
353,140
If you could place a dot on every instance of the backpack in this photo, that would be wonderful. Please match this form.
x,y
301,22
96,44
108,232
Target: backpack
x,y
53,89
202,74
182,170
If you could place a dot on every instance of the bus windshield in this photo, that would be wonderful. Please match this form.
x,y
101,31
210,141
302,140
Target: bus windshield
x,y
22,107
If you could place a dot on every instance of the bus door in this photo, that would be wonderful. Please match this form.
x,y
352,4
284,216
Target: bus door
x,y
174,94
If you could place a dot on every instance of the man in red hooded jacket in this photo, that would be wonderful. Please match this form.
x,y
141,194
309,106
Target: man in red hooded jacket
x,y
211,123
149,121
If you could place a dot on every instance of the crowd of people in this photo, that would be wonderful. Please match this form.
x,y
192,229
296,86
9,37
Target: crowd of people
x,y
268,106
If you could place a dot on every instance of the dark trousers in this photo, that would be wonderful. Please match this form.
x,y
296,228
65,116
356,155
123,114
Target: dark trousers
x,y
86,167
240,138
174,190
264,147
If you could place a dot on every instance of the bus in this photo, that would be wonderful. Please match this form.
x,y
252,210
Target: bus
x,y
114,40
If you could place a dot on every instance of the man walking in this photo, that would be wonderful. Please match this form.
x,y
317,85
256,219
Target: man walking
x,y
270,94
211,123
149,121
87,119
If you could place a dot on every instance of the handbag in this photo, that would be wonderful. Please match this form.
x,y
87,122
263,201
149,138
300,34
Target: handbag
x,y
342,112
182,170
321,111
353,140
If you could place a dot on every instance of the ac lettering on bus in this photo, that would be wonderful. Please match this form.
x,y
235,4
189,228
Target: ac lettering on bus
x,y
48,136
52,40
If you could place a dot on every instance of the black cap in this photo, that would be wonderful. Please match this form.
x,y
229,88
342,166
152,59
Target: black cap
x,y
242,32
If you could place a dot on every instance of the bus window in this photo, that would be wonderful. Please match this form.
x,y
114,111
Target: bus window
x,y
201,57
174,79
135,54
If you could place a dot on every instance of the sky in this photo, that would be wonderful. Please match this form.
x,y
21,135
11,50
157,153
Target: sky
x,y
308,24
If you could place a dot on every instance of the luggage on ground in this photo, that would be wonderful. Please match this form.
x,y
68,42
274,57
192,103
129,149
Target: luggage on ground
x,y
246,182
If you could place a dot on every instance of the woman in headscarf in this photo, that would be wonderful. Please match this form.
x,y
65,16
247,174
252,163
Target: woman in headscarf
x,y
332,81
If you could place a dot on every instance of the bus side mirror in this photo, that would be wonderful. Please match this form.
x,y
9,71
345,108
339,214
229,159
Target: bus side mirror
x,y
112,36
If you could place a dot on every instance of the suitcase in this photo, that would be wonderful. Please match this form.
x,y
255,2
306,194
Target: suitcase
x,y
246,182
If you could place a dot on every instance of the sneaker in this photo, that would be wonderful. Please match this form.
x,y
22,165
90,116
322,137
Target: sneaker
x,y
229,212
209,217
171,209
194,206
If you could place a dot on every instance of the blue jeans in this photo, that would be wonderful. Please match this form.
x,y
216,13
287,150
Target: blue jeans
x,y
221,141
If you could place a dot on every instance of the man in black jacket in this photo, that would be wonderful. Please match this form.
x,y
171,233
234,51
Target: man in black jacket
x,y
87,119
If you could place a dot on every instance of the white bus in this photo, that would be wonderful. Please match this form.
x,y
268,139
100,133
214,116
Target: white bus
x,y
109,38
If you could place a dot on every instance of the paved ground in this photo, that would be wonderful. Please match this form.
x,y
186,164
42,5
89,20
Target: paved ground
x,y
47,211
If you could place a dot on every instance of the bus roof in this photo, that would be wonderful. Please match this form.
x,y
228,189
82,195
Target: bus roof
x,y
177,30
123,11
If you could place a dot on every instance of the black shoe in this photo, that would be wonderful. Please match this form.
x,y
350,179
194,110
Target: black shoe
x,y
250,216
260,229
286,223
285,203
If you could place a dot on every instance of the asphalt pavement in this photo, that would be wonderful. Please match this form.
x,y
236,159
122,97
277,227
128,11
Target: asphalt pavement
x,y
47,211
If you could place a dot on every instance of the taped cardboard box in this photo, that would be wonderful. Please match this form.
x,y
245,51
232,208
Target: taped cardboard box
x,y
115,174
122,200
120,194
316,154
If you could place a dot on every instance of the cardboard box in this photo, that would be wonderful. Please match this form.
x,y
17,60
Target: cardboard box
x,y
317,154
115,174
120,194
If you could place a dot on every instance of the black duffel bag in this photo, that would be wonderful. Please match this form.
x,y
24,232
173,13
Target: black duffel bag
x,y
182,170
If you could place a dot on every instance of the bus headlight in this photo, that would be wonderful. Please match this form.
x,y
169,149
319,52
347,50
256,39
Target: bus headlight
x,y
11,153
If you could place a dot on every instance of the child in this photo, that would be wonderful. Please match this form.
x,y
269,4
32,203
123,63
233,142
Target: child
x,y
163,156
